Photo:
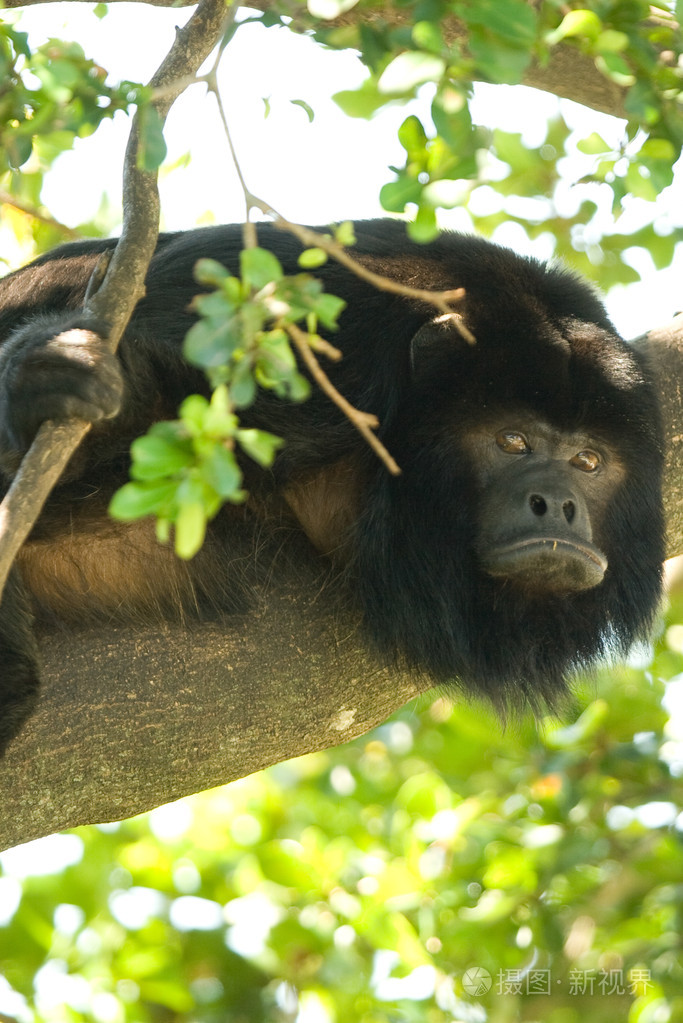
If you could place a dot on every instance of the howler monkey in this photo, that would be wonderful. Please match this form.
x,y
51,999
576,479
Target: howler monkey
x,y
522,541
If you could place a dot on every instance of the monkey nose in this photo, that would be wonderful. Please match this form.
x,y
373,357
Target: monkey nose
x,y
540,507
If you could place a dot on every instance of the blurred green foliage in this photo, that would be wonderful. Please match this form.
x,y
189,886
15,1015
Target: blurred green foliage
x,y
377,882
49,97
54,94
632,43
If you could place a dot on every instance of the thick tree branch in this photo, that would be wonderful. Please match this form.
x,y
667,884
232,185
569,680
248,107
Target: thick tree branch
x,y
130,718
123,286
664,349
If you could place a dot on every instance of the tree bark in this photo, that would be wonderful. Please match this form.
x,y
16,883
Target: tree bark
x,y
663,347
130,718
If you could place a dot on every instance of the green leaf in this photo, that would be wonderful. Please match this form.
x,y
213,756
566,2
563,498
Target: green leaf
x,y
210,272
138,500
343,233
242,385
639,183
593,144
173,995
20,43
616,68
260,445
454,125
413,138
395,195
310,113
18,149
501,63
409,70
611,41
151,142
658,149
311,259
163,529
213,306
427,36
155,456
219,419
328,309
298,387
222,473
190,529
424,228
583,23
275,359
259,268
511,21
210,344
362,102
193,412
591,721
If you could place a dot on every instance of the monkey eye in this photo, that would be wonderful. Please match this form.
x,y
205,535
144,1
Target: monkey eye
x,y
586,461
512,443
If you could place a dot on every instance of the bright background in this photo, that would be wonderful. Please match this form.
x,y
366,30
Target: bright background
x,y
327,170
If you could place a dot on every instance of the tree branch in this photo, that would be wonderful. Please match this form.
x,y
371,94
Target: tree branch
x,y
663,347
123,285
364,422
130,718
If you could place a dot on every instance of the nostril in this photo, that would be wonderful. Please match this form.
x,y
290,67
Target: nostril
x,y
569,510
537,504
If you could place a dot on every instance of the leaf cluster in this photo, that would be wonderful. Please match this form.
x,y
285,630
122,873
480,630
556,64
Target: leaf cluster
x,y
184,471
50,96
451,45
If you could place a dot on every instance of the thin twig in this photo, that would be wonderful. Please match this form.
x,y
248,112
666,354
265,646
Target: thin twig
x,y
442,300
365,422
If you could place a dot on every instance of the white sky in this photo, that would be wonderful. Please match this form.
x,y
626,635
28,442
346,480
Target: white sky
x,y
329,170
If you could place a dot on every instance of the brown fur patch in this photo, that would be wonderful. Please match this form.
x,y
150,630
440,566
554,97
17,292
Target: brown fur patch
x,y
118,572
326,503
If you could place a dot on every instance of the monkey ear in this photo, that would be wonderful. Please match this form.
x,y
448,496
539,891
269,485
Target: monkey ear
x,y
435,341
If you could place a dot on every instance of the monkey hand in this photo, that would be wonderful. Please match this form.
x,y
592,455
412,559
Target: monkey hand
x,y
54,367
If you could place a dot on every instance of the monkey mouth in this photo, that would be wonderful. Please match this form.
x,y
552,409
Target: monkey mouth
x,y
548,564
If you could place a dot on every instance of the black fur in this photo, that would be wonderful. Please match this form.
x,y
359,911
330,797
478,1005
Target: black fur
x,y
409,548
